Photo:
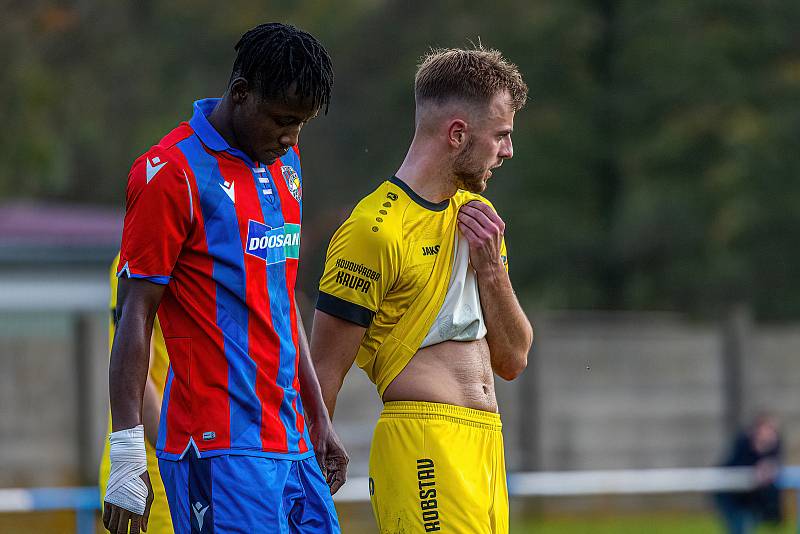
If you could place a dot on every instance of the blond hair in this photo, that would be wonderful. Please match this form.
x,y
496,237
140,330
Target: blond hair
x,y
476,75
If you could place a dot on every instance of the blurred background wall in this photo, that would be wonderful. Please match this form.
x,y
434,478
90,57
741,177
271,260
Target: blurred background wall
x,y
652,206
602,391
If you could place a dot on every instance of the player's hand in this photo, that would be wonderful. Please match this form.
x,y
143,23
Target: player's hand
x,y
483,228
331,456
116,518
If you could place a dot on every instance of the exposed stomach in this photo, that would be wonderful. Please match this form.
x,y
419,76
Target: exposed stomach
x,y
452,372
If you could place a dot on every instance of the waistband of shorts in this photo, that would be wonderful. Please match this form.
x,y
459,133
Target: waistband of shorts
x,y
435,410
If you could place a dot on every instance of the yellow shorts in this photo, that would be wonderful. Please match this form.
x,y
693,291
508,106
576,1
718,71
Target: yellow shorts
x,y
438,468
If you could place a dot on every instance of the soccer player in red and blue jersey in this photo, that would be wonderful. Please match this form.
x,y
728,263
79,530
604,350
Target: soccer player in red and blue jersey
x,y
210,244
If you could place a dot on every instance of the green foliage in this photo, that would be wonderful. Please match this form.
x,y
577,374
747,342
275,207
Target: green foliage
x,y
655,165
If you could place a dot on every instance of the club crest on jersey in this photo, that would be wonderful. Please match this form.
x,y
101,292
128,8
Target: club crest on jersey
x,y
292,181
273,245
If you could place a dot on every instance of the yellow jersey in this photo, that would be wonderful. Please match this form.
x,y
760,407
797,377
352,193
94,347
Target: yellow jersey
x,y
392,256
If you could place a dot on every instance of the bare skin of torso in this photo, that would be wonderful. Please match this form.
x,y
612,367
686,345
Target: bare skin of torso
x,y
452,372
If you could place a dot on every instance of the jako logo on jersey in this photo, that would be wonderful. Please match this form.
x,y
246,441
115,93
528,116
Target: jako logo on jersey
x,y
430,251
292,181
273,245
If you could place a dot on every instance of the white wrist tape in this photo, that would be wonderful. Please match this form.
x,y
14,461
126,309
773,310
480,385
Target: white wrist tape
x,y
128,461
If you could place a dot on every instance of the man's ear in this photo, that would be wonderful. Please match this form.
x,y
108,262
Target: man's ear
x,y
239,90
457,133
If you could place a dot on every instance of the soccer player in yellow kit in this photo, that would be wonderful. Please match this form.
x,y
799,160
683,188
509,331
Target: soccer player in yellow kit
x,y
160,520
416,291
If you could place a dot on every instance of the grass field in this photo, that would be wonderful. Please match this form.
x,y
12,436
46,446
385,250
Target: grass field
x,y
644,524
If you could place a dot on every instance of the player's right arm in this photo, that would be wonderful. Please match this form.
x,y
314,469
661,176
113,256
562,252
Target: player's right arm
x,y
361,266
158,219
130,353
151,404
334,345
130,362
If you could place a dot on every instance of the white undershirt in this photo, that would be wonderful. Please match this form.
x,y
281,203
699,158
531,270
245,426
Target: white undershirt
x,y
460,317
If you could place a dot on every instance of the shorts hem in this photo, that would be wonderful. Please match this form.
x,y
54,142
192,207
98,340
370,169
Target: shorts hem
x,y
174,457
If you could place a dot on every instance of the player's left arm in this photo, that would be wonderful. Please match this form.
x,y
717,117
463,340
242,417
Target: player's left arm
x,y
329,450
509,333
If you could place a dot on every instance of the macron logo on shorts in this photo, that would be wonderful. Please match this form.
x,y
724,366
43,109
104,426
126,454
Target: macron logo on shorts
x,y
199,513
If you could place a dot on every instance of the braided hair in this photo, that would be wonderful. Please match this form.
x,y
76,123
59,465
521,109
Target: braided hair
x,y
272,57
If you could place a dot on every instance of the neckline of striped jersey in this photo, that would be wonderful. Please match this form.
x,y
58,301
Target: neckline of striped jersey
x,y
427,204
208,134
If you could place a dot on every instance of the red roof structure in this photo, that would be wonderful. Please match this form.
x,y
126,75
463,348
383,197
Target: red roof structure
x,y
31,231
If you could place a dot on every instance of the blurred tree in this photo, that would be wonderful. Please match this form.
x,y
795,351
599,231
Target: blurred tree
x,y
655,165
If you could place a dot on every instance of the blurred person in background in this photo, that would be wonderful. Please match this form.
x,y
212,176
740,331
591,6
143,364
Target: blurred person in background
x,y
416,291
210,246
759,446
160,520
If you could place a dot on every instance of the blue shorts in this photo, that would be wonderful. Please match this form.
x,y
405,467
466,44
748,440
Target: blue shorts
x,y
232,493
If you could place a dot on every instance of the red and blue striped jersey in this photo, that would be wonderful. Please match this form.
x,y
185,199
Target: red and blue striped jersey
x,y
223,233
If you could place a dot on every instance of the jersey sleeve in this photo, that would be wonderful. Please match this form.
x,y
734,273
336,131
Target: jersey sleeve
x,y
158,218
361,266
504,254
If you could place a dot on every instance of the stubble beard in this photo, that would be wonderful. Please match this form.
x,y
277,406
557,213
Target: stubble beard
x,y
468,174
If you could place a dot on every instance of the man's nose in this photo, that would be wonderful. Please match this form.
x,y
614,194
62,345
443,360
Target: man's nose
x,y
290,138
507,149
